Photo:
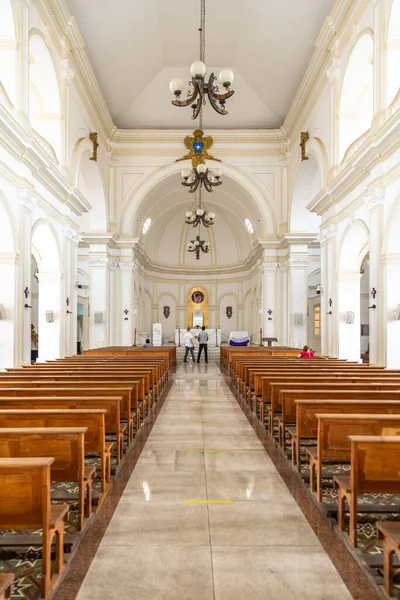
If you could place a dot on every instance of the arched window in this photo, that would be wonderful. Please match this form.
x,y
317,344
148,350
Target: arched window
x,y
249,226
44,96
393,52
8,45
146,226
356,102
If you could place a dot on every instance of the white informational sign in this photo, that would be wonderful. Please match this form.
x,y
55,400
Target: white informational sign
x,y
157,334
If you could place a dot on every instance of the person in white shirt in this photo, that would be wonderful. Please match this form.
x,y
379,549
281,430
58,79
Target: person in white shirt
x,y
189,345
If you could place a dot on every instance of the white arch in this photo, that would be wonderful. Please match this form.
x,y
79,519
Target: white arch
x,y
44,93
356,99
393,52
46,248
8,50
353,247
262,198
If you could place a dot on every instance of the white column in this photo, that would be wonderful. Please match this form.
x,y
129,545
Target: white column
x,y
269,295
50,300
11,309
70,297
348,301
391,278
324,285
376,316
328,295
127,295
23,325
297,291
68,75
99,266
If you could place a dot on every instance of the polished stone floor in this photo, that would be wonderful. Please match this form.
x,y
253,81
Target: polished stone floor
x,y
205,514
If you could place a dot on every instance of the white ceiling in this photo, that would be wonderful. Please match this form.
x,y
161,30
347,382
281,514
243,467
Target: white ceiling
x,y
136,47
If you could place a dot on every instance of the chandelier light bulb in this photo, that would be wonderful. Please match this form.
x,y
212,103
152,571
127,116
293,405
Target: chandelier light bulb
x,y
189,214
217,173
196,243
185,173
199,212
211,216
201,169
176,86
226,77
198,69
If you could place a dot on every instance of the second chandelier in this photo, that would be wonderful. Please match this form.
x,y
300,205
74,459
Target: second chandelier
x,y
201,176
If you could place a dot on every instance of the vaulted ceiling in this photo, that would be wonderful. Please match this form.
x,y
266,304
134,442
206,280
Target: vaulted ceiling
x,y
136,47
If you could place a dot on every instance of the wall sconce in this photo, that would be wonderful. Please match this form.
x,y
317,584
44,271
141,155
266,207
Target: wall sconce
x,y
26,292
373,293
304,137
26,305
349,317
330,306
126,312
95,145
49,316
269,311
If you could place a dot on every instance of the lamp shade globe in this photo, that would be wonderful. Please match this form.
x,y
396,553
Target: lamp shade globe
x,y
176,86
201,169
217,173
198,69
185,173
211,216
226,77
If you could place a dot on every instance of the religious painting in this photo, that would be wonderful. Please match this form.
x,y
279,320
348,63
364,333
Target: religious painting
x,y
229,312
166,311
197,297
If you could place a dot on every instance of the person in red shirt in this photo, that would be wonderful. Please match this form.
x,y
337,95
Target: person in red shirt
x,y
306,353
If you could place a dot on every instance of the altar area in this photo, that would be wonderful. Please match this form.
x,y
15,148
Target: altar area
x,y
214,336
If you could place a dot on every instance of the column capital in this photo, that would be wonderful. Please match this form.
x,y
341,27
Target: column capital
x,y
71,234
27,200
375,197
297,263
99,263
128,266
67,71
112,158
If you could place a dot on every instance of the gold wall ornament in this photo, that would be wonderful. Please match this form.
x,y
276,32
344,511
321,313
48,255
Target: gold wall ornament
x,y
197,299
198,146
304,137
95,145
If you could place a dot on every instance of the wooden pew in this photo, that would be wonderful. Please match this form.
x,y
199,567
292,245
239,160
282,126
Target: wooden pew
x,y
344,391
112,405
6,581
93,419
129,410
65,446
390,533
332,438
25,504
374,469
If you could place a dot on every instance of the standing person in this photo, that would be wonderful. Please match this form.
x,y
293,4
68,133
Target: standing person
x,y
203,339
34,344
189,345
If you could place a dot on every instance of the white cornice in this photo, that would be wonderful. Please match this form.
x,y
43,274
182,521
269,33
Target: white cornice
x,y
149,136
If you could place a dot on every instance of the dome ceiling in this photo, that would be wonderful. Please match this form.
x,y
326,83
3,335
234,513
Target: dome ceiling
x,y
137,47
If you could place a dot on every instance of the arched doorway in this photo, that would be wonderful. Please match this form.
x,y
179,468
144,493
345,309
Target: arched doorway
x,y
197,308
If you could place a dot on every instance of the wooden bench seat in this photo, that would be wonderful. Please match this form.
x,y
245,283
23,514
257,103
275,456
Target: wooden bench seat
x,y
25,504
390,533
65,445
112,405
333,443
6,581
374,469
93,419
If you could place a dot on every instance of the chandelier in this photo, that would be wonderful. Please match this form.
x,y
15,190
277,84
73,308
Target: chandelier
x,y
201,88
201,176
200,216
197,245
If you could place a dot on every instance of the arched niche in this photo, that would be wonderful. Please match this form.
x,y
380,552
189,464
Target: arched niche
x,y
46,252
356,100
197,300
393,52
352,251
90,183
8,47
44,94
307,184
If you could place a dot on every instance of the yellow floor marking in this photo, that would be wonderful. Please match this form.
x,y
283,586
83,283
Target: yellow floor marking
x,y
210,450
207,501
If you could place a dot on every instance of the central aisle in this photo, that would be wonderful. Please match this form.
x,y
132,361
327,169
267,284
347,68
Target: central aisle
x,y
206,515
